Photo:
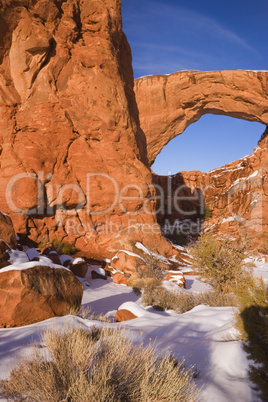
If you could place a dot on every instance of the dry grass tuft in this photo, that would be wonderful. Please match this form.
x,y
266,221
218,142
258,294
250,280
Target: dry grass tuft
x,y
181,302
97,365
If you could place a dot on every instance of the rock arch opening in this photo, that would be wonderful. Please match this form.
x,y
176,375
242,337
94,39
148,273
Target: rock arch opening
x,y
213,141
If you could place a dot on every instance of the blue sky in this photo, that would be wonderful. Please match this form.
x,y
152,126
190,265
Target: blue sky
x,y
168,36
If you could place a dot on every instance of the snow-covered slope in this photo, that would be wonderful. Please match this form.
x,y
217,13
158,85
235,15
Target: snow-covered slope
x,y
205,337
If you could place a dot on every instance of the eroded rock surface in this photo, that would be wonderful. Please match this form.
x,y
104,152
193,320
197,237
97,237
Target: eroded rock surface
x,y
237,197
233,198
71,145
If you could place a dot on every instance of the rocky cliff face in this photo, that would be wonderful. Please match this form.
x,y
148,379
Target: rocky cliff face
x,y
237,197
73,156
232,198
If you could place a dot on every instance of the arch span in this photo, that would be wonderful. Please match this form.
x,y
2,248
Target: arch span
x,y
169,104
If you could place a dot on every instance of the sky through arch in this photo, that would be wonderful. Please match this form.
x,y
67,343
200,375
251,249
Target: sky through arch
x,y
211,142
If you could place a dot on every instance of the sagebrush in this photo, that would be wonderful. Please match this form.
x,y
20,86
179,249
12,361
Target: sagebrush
x,y
182,301
97,365
219,263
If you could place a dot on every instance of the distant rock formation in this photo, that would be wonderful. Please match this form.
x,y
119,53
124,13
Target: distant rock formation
x,y
235,195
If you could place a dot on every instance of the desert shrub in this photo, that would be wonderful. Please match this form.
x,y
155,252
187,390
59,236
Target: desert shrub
x,y
217,299
153,268
87,313
150,274
180,301
62,247
159,297
98,365
138,284
154,271
219,263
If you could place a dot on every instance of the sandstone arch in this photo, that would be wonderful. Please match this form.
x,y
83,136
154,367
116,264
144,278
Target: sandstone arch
x,y
68,110
169,104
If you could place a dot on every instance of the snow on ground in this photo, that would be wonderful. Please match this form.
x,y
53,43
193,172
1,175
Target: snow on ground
x,y
192,283
202,336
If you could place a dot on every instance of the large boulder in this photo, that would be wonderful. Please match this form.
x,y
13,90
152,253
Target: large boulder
x,y
38,293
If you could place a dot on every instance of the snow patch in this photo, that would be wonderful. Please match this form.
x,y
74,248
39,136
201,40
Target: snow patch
x,y
78,260
32,264
229,219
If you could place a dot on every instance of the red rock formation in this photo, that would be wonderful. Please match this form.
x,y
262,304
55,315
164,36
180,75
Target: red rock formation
x,y
79,267
4,255
73,156
119,278
169,104
71,142
127,263
99,273
236,195
175,277
36,294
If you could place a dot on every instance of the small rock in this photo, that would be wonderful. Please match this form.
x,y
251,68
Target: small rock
x,y
53,255
124,315
99,273
79,267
